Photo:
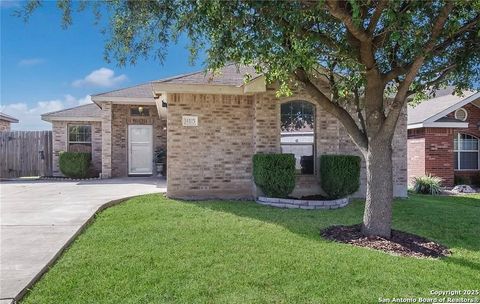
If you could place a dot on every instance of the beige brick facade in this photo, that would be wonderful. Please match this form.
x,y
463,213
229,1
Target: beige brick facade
x,y
120,119
4,126
214,158
60,143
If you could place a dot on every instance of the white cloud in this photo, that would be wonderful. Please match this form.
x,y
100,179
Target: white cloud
x,y
30,62
29,115
102,77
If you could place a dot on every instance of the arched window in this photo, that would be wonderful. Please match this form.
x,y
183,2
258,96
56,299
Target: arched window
x,y
465,152
298,133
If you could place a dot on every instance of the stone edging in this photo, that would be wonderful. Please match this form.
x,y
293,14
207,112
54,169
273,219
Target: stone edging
x,y
302,204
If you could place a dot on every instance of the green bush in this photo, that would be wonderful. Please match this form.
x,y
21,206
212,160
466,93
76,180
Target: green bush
x,y
339,174
274,173
75,164
461,180
427,184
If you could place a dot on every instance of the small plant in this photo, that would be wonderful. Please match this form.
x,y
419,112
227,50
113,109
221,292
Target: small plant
x,y
339,175
274,173
160,155
461,180
75,164
427,184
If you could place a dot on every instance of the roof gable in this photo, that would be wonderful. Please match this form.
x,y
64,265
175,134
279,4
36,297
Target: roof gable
x,y
433,109
8,118
85,112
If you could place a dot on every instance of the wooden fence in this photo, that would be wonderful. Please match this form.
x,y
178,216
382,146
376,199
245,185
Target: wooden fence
x,y
25,153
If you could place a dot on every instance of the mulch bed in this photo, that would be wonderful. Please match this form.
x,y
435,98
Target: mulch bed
x,y
400,243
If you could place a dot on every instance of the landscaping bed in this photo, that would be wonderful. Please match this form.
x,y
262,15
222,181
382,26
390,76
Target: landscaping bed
x,y
400,243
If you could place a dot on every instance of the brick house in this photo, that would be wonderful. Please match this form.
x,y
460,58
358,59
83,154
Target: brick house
x,y
443,137
210,126
5,121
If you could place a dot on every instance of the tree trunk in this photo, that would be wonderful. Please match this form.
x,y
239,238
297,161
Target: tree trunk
x,y
377,218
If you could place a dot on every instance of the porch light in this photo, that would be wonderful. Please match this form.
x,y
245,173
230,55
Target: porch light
x,y
140,110
164,103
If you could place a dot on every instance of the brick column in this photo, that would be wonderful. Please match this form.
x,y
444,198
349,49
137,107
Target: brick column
x,y
106,140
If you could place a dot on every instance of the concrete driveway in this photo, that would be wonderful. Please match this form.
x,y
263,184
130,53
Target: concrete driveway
x,y
38,218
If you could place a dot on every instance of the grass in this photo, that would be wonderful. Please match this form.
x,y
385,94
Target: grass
x,y
156,250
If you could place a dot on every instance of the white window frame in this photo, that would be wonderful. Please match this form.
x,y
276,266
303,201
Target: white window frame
x,y
459,152
462,110
78,142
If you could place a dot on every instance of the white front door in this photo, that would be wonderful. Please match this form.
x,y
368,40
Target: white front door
x,y
140,150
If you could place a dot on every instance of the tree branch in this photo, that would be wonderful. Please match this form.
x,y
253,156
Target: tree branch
x,y
340,113
388,126
342,15
382,4
359,111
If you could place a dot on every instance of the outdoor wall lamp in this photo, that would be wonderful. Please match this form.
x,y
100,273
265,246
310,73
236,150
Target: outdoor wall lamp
x,y
140,110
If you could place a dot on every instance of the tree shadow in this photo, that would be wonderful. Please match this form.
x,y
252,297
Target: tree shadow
x,y
427,217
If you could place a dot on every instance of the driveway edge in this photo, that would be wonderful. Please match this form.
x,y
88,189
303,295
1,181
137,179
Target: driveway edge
x,y
57,255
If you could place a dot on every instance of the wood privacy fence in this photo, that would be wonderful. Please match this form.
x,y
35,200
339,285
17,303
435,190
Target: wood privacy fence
x,y
25,153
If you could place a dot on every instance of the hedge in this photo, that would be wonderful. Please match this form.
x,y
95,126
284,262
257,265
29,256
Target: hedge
x,y
339,175
75,164
274,173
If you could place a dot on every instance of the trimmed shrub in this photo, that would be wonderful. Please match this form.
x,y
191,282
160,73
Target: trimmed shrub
x,y
427,184
461,180
274,173
75,164
339,175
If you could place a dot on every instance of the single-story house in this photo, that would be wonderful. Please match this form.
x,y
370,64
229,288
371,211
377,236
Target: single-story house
x,y
5,121
210,126
443,137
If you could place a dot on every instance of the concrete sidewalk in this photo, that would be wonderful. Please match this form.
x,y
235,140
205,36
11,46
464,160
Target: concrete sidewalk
x,y
39,217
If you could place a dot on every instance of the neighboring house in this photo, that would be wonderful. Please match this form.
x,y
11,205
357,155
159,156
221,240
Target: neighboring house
x,y
211,128
5,121
443,137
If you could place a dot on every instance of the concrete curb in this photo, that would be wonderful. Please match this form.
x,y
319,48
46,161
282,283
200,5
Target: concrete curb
x,y
54,259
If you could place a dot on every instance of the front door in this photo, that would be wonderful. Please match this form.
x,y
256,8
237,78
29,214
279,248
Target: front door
x,y
140,150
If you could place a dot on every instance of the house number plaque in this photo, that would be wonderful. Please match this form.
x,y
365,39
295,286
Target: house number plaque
x,y
189,121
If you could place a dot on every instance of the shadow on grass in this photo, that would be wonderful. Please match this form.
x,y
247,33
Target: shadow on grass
x,y
451,221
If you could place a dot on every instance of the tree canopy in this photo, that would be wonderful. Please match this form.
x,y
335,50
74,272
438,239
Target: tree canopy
x,y
365,50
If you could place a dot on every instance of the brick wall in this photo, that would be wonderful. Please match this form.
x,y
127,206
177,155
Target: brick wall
x,y
121,118
438,158
214,158
416,153
4,126
60,143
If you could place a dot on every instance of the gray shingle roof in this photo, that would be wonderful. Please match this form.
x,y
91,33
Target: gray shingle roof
x,y
8,118
231,74
143,90
431,107
87,110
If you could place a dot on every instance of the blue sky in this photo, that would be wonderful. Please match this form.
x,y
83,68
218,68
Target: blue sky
x,y
45,68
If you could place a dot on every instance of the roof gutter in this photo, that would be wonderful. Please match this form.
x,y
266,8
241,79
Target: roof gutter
x,y
460,125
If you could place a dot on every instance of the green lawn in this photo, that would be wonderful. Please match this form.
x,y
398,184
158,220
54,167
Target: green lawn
x,y
156,250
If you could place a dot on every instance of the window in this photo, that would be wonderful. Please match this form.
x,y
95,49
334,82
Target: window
x,y
465,152
461,114
80,138
297,133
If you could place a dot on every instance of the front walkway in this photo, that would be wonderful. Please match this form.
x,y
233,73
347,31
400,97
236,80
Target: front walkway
x,y
38,218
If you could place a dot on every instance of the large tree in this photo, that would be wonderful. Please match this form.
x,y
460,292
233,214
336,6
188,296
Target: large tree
x,y
374,54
